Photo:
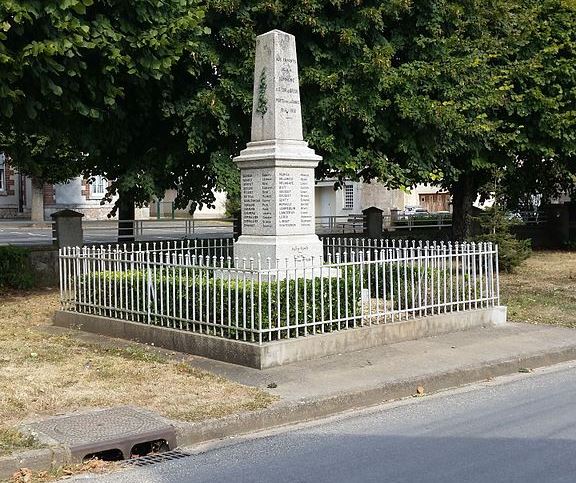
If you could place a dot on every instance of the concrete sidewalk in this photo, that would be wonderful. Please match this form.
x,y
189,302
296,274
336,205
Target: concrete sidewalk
x,y
327,386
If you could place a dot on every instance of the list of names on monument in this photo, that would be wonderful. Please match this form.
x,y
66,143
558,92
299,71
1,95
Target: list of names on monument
x,y
267,182
250,208
306,187
286,206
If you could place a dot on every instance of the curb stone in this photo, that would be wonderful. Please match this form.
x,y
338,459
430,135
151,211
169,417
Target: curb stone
x,y
43,459
282,414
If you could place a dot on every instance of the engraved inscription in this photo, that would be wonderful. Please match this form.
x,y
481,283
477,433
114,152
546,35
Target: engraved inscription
x,y
287,92
249,201
306,187
286,209
267,199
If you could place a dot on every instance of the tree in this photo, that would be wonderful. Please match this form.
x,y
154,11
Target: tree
x,y
443,91
424,91
499,93
93,79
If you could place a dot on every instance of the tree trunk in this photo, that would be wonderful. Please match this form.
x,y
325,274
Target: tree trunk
x,y
464,193
37,201
126,213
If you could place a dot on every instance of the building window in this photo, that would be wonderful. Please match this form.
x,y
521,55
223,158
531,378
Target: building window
x,y
98,187
2,172
349,197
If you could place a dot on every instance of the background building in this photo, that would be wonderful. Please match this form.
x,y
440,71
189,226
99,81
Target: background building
x,y
355,197
17,196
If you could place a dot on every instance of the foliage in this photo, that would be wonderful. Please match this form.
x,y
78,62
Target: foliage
x,y
438,91
443,91
82,77
271,306
15,270
227,177
495,228
407,285
243,302
12,440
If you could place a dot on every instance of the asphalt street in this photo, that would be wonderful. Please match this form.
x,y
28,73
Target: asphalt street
x,y
517,429
28,234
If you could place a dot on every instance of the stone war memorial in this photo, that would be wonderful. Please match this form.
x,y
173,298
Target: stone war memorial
x,y
279,294
277,166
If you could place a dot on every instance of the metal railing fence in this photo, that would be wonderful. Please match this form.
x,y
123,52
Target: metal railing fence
x,y
415,221
105,231
352,223
194,289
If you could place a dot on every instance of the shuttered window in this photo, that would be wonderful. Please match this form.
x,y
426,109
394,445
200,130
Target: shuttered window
x,y
349,197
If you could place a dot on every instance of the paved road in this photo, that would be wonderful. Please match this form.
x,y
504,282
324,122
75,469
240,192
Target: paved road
x,y
17,234
520,430
26,233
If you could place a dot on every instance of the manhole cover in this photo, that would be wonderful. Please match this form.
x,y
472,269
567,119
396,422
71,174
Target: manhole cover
x,y
109,429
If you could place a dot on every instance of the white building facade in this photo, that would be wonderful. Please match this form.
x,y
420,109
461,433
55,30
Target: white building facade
x,y
354,197
17,196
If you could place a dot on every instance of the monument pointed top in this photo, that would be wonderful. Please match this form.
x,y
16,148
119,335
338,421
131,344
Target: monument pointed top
x,y
273,32
276,112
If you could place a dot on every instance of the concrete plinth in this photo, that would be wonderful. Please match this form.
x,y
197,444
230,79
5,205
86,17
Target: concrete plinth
x,y
282,249
277,353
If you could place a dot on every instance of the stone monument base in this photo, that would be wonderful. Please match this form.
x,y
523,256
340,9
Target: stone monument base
x,y
283,248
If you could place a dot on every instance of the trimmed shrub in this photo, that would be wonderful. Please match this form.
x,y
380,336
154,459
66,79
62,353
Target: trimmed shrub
x,y
244,303
15,270
495,228
241,308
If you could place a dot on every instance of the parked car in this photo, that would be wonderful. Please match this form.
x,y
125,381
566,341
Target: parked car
x,y
410,211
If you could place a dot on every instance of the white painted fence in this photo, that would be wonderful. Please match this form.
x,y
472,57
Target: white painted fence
x,y
196,286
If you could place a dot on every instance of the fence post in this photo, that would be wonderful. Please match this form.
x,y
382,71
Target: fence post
x,y
559,224
373,222
67,228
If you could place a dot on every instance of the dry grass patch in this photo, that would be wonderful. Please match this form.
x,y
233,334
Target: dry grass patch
x,y
43,375
542,290
25,475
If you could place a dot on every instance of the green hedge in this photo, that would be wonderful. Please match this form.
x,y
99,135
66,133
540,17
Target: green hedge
x,y
15,270
428,288
248,305
306,298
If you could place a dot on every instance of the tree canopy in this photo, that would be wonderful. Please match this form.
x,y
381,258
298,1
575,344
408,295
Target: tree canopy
x,y
158,93
445,91
92,79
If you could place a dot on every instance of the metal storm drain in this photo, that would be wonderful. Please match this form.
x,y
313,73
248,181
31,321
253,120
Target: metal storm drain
x,y
109,434
157,458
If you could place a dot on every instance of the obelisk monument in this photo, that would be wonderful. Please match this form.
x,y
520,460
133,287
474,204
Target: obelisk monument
x,y
277,166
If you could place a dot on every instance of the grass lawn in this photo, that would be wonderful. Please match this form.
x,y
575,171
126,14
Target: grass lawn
x,y
542,290
43,374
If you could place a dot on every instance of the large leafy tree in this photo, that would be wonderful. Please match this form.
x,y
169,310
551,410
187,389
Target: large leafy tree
x,y
91,79
495,86
443,91
448,91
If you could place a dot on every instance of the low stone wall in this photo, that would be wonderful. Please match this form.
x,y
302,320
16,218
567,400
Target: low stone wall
x,y
282,352
8,213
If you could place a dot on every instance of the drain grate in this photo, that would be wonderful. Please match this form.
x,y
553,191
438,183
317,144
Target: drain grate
x,y
114,433
156,458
